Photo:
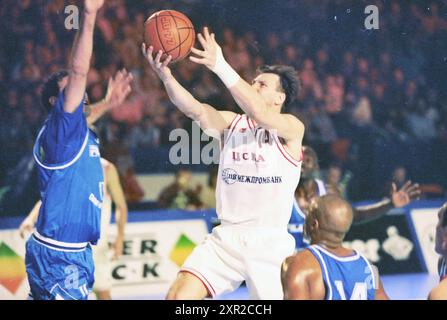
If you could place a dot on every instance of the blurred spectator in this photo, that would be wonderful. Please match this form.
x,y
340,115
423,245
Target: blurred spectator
x,y
422,121
145,135
179,194
337,179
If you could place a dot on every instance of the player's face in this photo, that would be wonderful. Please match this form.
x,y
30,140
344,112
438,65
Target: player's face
x,y
268,86
441,233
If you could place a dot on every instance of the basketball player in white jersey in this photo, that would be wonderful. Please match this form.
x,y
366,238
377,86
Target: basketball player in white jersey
x,y
101,254
440,292
259,169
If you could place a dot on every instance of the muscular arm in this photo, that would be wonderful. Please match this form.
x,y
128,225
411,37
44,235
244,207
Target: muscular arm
x,y
212,121
80,61
301,278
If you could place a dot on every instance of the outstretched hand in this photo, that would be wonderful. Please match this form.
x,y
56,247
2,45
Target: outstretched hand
x,y
211,50
119,88
405,195
161,68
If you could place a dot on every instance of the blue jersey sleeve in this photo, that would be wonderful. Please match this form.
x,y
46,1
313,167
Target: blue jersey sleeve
x,y
64,134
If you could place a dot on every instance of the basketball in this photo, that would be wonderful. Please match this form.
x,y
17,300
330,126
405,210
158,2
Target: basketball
x,y
170,31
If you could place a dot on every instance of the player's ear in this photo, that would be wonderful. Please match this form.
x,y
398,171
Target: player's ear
x,y
280,98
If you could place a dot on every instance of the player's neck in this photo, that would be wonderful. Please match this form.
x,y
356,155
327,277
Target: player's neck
x,y
335,248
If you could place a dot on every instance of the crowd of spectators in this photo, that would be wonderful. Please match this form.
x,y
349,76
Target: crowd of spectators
x,y
357,84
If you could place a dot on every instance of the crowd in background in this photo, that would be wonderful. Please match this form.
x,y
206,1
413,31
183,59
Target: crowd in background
x,y
359,87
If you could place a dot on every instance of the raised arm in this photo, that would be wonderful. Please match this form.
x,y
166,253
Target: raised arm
x,y
247,97
207,117
117,194
81,55
397,199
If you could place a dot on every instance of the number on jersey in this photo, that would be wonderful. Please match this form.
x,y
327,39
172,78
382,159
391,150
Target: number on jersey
x,y
359,293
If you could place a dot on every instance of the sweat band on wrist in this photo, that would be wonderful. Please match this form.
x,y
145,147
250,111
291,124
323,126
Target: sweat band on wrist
x,y
225,72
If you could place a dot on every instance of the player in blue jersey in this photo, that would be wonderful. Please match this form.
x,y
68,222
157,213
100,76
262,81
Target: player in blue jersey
x,y
311,186
440,292
326,270
58,258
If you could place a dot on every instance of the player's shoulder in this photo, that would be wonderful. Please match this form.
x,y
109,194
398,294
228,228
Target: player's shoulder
x,y
300,262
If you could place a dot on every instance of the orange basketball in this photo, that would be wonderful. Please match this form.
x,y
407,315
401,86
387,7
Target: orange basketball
x,y
171,32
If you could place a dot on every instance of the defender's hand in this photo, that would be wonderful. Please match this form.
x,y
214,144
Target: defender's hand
x,y
160,68
211,50
405,195
118,88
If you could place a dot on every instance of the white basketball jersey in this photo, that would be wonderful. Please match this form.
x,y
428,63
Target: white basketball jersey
x,y
106,210
257,177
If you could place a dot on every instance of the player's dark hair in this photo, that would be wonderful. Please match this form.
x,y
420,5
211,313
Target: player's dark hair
x,y
288,78
50,88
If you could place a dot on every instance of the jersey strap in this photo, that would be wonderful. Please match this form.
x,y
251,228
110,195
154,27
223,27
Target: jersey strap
x,y
57,166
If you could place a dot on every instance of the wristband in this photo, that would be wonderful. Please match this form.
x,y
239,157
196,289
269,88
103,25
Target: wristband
x,y
225,72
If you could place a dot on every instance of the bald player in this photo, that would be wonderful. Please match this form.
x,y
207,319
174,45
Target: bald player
x,y
326,270
440,292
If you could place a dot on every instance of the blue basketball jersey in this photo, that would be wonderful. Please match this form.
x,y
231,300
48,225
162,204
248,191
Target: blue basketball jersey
x,y
346,278
296,223
71,179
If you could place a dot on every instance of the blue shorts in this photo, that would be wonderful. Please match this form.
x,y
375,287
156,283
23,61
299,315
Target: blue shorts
x,y
58,274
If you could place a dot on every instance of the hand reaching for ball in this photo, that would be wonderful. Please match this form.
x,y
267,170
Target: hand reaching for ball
x,y
160,67
211,50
